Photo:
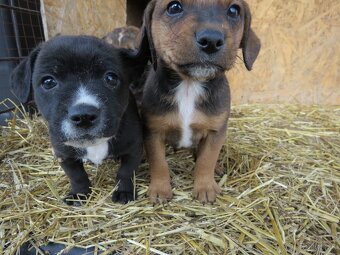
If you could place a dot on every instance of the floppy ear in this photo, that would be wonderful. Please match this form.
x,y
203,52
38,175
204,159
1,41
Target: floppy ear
x,y
21,77
145,42
250,43
134,63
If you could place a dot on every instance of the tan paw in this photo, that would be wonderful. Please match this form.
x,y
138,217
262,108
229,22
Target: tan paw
x,y
160,192
206,191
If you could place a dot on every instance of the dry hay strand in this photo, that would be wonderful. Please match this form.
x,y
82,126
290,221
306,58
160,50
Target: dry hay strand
x,y
281,192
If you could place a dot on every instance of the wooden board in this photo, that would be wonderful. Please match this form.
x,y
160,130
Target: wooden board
x,y
300,57
94,17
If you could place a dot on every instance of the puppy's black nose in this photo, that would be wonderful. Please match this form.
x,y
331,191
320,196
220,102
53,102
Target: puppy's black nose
x,y
83,116
210,41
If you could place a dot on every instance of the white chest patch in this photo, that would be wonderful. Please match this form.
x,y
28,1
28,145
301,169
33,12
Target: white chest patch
x,y
97,153
187,94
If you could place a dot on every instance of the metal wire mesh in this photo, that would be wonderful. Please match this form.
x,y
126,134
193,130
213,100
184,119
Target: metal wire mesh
x,y
21,28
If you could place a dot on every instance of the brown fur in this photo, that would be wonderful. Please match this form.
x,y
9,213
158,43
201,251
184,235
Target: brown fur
x,y
167,36
205,187
168,127
123,37
172,46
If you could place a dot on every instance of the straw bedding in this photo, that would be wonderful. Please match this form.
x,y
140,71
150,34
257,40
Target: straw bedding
x,y
281,192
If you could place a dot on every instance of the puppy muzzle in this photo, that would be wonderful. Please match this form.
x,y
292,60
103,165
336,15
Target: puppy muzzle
x,y
210,50
200,71
85,124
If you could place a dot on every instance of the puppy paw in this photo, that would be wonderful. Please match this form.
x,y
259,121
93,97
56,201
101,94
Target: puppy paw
x,y
160,192
76,199
124,193
206,191
219,170
122,197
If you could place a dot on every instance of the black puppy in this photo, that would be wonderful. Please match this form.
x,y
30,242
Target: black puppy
x,y
81,87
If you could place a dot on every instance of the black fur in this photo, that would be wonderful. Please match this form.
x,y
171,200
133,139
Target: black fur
x,y
84,61
161,85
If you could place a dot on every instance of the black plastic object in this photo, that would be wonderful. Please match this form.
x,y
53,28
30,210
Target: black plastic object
x,y
54,249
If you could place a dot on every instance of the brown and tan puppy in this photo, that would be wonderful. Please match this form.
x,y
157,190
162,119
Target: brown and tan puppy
x,y
123,37
186,98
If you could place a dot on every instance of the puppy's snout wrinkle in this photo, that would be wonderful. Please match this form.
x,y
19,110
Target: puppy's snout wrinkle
x,y
210,41
84,116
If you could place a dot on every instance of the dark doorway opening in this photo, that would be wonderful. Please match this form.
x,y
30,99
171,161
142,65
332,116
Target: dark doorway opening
x,y
135,10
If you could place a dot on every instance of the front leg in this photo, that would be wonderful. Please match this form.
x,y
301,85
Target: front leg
x,y
160,187
80,183
125,191
205,186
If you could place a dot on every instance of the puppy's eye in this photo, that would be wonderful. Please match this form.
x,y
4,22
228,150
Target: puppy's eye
x,y
174,8
49,83
234,11
111,79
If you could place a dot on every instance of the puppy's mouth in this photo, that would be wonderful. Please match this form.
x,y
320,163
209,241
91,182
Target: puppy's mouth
x,y
200,71
86,137
86,141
